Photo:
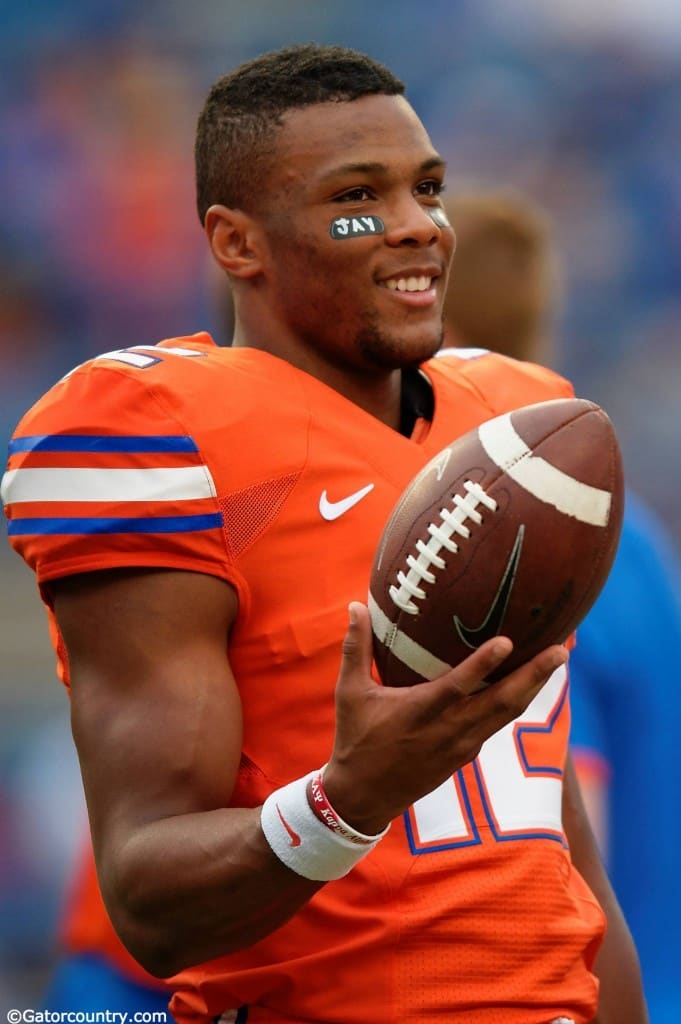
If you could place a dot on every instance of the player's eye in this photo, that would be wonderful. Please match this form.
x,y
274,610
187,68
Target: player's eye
x,y
355,195
431,188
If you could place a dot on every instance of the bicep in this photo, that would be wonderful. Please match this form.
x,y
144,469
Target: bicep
x,y
156,714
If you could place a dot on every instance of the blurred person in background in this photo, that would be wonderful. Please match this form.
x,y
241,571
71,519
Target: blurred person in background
x,y
203,871
504,295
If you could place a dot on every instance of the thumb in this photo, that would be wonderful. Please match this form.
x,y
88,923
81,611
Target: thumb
x,y
357,652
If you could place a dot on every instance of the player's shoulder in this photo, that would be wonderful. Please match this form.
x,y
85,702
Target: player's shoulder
x,y
137,447
171,363
180,403
167,355
181,378
504,383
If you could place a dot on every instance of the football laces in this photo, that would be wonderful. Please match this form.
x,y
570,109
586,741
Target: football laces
x,y
409,588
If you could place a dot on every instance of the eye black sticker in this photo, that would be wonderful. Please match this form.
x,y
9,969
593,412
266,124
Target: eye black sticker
x,y
354,227
439,217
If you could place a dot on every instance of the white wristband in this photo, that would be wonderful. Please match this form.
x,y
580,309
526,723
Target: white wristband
x,y
320,847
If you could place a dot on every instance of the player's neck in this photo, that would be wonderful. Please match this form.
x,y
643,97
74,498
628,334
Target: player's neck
x,y
377,392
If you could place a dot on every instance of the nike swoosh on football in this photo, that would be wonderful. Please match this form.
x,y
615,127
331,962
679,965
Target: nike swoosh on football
x,y
491,624
331,510
295,838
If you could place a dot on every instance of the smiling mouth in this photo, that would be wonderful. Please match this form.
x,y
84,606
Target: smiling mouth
x,y
408,284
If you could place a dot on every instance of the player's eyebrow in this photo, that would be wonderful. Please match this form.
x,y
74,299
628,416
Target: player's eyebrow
x,y
377,168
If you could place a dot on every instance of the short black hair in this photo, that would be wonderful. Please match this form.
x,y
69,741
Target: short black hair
x,y
245,107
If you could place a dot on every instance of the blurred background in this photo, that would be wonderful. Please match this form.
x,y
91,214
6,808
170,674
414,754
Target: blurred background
x,y
576,102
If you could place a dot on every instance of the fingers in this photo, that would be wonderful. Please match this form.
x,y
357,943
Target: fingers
x,y
504,700
546,663
509,696
393,745
357,652
470,675
500,702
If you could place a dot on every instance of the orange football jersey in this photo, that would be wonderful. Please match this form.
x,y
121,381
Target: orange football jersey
x,y
234,463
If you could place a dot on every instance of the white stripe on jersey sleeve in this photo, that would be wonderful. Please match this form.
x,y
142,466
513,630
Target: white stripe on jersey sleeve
x,y
170,484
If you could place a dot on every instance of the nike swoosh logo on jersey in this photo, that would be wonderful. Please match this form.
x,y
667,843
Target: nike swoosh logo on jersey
x,y
490,626
295,838
331,510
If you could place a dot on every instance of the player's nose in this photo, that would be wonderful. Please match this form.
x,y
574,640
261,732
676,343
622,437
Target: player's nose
x,y
410,223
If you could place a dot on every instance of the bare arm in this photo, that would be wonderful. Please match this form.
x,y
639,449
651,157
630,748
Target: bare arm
x,y
156,719
595,797
621,999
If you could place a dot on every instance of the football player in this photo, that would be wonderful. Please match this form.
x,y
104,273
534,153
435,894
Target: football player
x,y
286,838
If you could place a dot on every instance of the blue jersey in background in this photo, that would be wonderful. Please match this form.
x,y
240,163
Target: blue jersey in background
x,y
626,706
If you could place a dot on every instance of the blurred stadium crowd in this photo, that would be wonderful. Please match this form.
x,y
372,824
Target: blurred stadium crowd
x,y
100,248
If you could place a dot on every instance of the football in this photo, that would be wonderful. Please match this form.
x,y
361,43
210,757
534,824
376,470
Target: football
x,y
511,529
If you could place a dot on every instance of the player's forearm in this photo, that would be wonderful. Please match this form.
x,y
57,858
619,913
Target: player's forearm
x,y
186,889
621,999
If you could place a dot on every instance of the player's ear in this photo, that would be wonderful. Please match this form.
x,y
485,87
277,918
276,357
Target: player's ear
x,y
233,239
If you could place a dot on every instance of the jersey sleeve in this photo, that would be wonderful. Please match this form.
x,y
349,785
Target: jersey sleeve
x,y
102,475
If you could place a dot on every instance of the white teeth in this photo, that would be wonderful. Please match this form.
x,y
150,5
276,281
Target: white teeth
x,y
409,284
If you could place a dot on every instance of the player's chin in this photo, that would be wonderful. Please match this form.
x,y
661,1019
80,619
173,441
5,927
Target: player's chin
x,y
397,347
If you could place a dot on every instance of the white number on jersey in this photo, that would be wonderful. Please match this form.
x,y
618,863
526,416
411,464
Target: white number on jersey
x,y
521,800
136,356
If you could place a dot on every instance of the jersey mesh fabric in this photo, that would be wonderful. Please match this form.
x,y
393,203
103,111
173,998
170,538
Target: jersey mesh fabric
x,y
248,513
